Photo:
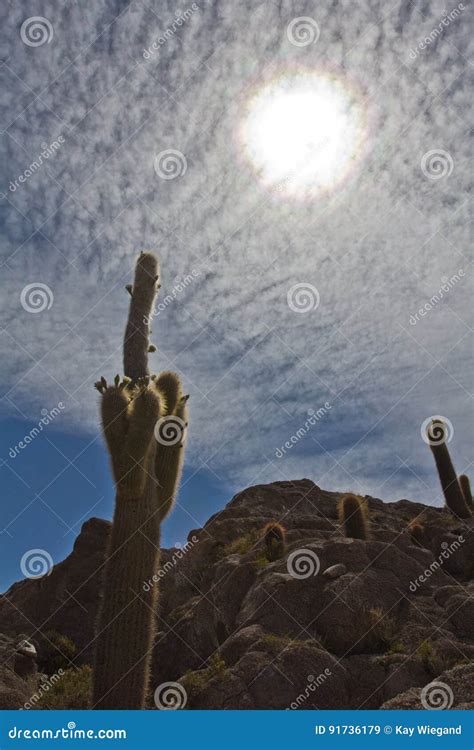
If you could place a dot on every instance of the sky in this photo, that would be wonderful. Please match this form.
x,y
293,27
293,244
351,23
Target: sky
x,y
103,90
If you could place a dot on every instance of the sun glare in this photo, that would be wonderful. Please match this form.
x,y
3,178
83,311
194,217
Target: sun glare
x,y
304,132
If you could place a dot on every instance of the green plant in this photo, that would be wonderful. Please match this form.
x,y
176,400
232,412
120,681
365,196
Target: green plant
x,y
428,658
381,630
199,678
397,647
55,651
243,544
466,490
144,419
275,544
354,516
72,690
437,436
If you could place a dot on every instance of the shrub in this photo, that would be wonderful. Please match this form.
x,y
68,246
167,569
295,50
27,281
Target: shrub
x,y
55,651
73,690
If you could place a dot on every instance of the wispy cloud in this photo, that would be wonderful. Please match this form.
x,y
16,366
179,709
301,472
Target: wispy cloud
x,y
375,249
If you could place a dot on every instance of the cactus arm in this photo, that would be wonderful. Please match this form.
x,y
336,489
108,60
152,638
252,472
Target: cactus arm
x,y
466,489
137,332
169,459
447,476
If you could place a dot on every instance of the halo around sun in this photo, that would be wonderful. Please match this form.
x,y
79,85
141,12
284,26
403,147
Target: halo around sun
x,y
304,132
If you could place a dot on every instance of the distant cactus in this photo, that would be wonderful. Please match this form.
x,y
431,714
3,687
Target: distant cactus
x,y
466,490
354,516
436,436
417,533
275,541
144,421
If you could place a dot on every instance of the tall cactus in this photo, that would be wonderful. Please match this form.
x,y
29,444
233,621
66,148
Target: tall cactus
x,y
466,490
436,437
354,516
144,419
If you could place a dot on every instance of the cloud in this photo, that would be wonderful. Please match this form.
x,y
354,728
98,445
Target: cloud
x,y
376,249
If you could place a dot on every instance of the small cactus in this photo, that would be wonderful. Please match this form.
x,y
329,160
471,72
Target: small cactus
x,y
275,541
354,516
453,495
466,490
417,533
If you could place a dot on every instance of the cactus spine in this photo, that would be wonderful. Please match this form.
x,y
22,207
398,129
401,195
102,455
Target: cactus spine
x,y
146,466
275,544
453,495
354,516
466,490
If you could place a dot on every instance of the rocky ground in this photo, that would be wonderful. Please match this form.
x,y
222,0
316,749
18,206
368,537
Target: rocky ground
x,y
334,623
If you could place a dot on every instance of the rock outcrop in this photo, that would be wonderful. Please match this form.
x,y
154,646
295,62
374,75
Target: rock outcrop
x,y
333,623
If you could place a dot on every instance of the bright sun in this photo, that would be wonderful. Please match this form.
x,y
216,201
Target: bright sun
x,y
303,133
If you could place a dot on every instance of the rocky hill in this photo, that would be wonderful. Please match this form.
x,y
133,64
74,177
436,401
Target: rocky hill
x,y
333,623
